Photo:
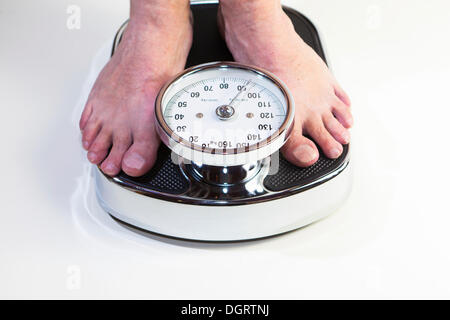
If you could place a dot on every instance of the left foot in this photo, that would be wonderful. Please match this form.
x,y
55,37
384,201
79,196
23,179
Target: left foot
x,y
261,34
118,122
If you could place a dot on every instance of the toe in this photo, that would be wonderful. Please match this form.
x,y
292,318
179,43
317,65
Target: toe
x,y
342,95
336,129
90,132
324,139
343,113
121,143
85,115
141,156
300,150
99,148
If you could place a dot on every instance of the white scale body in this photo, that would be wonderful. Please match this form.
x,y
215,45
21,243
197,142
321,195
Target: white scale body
x,y
219,174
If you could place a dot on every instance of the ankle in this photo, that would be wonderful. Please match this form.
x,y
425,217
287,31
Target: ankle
x,y
257,32
250,10
158,12
253,19
158,20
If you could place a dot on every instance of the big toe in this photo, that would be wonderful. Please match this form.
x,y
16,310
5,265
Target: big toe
x,y
140,157
300,151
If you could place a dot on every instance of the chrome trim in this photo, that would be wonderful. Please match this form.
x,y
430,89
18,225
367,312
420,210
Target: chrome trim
x,y
204,2
118,36
248,192
223,223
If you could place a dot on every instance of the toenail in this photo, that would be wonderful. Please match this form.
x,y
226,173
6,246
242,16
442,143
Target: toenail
x,y
304,153
346,136
85,144
134,161
92,156
110,168
335,152
350,121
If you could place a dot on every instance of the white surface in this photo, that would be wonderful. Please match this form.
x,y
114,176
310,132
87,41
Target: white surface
x,y
390,240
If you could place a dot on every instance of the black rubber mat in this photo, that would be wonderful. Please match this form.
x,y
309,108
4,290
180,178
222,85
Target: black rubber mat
x,y
289,176
165,176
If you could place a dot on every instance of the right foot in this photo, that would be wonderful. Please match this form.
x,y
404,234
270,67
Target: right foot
x,y
118,122
259,33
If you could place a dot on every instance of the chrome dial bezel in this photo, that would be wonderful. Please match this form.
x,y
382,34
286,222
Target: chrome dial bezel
x,y
232,156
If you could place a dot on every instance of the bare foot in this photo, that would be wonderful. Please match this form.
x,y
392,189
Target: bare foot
x,y
261,34
117,123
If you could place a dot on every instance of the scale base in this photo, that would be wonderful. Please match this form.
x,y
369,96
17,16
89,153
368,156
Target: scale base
x,y
223,223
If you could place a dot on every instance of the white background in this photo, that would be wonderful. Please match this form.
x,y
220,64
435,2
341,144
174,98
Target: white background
x,y
390,239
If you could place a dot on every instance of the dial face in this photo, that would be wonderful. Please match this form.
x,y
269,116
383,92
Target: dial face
x,y
224,108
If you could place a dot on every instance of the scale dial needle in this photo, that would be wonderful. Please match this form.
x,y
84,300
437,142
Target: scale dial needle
x,y
239,93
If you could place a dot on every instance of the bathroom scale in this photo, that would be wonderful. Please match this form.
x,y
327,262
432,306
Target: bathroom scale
x,y
206,187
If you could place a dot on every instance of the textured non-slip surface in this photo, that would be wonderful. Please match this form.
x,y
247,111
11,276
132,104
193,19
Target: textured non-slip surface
x,y
289,176
165,176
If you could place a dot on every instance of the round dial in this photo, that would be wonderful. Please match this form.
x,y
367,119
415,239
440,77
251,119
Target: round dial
x,y
224,114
